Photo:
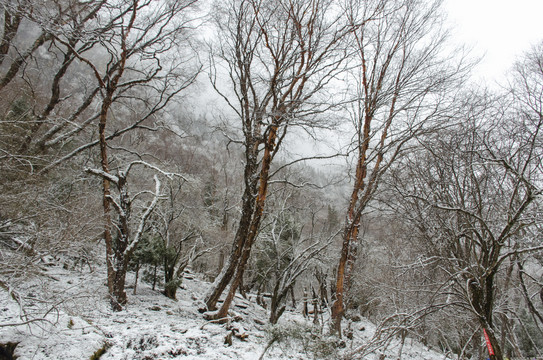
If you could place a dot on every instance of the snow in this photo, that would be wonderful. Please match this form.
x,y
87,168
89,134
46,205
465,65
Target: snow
x,y
72,319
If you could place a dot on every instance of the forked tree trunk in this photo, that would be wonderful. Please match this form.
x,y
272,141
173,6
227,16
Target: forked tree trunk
x,y
240,270
481,296
174,277
247,210
279,297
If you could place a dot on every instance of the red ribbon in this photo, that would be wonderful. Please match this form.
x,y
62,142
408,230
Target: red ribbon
x,y
488,344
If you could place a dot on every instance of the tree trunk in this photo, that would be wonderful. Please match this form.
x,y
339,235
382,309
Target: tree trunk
x,y
255,223
121,255
170,283
292,297
154,277
118,296
498,355
350,234
137,276
273,308
248,202
276,313
338,306
276,310
220,265
170,291
240,270
243,244
106,193
315,307
305,310
227,272
481,297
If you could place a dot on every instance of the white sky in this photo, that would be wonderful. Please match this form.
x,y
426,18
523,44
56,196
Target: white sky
x,y
501,30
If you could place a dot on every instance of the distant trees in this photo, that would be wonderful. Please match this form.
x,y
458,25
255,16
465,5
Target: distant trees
x,y
39,77
401,80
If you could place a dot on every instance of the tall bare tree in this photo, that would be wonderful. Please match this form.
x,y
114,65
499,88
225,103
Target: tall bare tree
x,y
138,76
279,56
400,83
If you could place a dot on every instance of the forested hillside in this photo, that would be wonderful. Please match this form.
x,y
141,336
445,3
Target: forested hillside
x,y
320,165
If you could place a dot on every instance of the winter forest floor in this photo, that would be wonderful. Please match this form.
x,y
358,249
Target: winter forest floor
x,y
66,315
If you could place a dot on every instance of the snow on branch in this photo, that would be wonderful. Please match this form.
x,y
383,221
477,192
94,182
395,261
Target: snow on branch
x,y
169,175
116,205
145,216
114,179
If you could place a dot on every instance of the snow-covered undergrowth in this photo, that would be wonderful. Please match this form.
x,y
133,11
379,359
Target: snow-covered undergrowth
x,y
65,314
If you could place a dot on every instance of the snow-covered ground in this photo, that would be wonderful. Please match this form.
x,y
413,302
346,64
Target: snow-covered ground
x,y
66,315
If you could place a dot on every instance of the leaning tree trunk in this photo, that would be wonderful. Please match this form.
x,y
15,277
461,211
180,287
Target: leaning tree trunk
x,y
350,234
361,195
350,239
227,272
278,297
255,223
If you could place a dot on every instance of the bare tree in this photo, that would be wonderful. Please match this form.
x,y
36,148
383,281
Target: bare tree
x,y
179,228
279,56
134,67
401,79
471,196
290,243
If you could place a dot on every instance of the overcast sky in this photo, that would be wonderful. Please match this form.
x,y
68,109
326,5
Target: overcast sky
x,y
501,30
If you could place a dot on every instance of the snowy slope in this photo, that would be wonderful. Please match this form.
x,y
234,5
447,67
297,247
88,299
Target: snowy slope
x,y
70,318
